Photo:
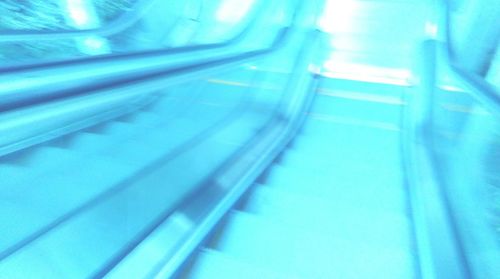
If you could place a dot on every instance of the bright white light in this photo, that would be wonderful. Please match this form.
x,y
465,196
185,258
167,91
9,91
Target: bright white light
x,y
314,69
232,11
338,16
78,12
369,73
94,42
431,29
452,88
367,70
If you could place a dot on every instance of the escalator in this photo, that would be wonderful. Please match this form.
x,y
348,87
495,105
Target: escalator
x,y
334,205
64,188
264,149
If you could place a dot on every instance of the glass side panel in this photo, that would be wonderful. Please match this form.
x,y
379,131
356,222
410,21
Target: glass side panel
x,y
151,25
493,75
27,51
54,15
475,37
466,142
110,10
31,15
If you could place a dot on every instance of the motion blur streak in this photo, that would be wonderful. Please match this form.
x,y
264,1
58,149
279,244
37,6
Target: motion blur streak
x,y
249,139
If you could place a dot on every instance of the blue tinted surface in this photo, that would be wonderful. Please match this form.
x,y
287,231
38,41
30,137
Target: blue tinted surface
x,y
53,30
269,150
465,135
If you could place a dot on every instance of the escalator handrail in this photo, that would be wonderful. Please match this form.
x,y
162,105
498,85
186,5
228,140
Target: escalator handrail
x,y
426,177
17,93
268,143
24,116
483,91
287,122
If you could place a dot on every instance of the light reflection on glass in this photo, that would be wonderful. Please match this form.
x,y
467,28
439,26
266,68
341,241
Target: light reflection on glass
x,y
338,16
232,11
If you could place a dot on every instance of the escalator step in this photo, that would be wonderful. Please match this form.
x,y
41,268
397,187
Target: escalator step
x,y
352,137
41,160
331,126
330,182
359,109
52,195
212,264
91,143
269,245
348,216
341,159
364,87
126,130
146,119
309,254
